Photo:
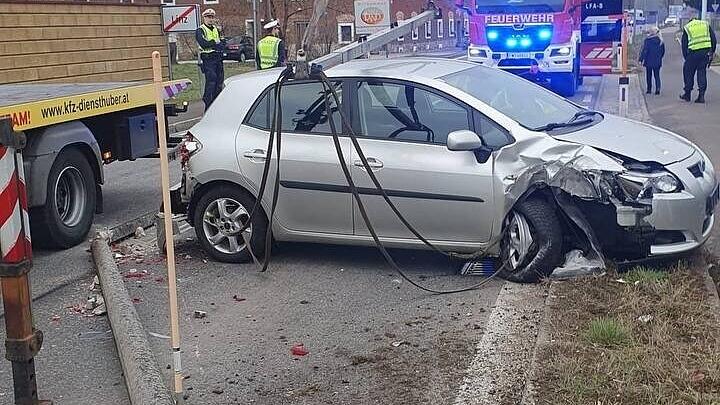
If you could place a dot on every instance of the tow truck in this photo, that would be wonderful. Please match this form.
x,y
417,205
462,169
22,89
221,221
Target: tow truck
x,y
72,131
542,39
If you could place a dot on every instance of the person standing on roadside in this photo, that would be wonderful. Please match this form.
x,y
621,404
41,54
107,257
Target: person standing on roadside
x,y
270,51
698,47
211,54
651,56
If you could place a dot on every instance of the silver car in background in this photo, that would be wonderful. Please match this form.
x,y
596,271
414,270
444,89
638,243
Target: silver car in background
x,y
470,155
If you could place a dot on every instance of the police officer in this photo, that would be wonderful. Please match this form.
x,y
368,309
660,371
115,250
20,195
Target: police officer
x,y
211,54
698,47
270,50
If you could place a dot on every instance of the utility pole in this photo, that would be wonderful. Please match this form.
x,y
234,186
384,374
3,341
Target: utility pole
x,y
255,24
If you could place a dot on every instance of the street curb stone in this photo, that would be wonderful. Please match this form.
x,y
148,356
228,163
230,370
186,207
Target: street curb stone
x,y
127,228
142,376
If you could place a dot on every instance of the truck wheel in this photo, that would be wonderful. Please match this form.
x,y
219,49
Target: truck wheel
x,y
219,215
532,246
565,84
65,219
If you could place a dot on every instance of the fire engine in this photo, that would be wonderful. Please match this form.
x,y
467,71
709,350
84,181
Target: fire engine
x,y
545,40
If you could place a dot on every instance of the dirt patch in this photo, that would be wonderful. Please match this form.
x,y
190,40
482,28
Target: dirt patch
x,y
650,341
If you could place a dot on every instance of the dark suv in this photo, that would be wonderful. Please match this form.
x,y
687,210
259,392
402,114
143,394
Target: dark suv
x,y
240,49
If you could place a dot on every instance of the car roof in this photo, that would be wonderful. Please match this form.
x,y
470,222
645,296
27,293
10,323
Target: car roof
x,y
390,68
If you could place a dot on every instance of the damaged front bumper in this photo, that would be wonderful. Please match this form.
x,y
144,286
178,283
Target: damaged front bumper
x,y
678,222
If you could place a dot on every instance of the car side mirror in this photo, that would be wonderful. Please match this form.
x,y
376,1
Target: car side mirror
x,y
463,140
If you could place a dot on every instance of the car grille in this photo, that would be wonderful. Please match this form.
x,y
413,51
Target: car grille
x,y
697,169
530,33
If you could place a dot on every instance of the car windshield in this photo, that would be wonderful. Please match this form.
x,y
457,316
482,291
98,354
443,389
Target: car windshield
x,y
528,104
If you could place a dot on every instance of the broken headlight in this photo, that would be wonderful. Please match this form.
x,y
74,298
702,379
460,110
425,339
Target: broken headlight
x,y
640,186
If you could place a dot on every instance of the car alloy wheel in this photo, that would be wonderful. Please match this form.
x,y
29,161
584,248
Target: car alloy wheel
x,y
519,240
222,221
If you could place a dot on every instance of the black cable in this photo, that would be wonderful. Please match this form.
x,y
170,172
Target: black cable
x,y
353,137
276,129
328,87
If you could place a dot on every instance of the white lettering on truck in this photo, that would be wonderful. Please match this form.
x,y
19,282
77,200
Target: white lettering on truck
x,y
518,18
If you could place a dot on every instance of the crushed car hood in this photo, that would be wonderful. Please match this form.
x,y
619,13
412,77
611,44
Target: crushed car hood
x,y
636,140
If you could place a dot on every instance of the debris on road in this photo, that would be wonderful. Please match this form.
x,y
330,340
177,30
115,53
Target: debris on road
x,y
96,305
299,349
139,232
136,300
218,391
399,343
188,257
238,299
200,314
645,318
158,335
55,319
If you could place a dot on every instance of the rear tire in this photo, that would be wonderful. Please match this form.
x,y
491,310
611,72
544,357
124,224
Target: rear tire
x,y
219,214
530,260
65,219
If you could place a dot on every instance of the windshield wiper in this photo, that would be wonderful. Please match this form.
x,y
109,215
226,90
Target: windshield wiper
x,y
572,122
555,125
583,113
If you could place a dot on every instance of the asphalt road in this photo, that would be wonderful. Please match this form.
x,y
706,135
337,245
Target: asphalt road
x,y
350,290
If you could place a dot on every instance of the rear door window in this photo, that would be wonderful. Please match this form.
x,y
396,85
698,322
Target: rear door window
x,y
303,108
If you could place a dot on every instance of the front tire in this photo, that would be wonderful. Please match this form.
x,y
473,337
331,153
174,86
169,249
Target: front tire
x,y
532,246
65,219
219,215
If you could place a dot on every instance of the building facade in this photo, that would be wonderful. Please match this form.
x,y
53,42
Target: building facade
x,y
335,30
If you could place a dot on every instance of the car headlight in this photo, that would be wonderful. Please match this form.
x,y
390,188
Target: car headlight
x,y
564,51
644,185
477,52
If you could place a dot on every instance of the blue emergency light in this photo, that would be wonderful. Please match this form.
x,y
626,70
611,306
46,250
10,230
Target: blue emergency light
x,y
545,34
511,42
492,35
525,42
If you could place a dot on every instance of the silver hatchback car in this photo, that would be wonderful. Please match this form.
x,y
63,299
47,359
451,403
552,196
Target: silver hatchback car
x,y
476,159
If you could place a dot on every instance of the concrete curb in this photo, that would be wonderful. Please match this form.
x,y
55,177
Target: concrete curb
x,y
608,95
499,371
127,228
142,376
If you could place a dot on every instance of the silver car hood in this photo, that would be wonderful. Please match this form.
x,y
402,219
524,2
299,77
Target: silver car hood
x,y
636,140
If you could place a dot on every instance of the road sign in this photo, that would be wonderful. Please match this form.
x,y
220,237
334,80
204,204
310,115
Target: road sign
x,y
180,18
715,7
371,16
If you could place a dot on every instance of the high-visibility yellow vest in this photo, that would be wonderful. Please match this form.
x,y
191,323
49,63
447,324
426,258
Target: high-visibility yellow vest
x,y
210,34
268,50
698,32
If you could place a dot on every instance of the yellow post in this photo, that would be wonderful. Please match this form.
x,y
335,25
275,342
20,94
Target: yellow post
x,y
167,215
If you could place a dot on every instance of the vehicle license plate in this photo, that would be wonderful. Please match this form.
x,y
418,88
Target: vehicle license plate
x,y
520,55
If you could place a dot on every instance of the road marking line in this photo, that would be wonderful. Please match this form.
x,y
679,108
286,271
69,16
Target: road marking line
x,y
499,367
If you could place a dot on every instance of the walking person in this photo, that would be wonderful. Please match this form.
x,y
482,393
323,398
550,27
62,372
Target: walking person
x,y
651,56
211,54
698,47
270,51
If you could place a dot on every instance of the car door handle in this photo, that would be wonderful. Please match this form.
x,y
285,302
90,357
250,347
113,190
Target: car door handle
x,y
259,154
372,162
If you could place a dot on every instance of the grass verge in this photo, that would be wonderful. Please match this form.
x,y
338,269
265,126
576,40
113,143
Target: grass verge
x,y
192,72
648,338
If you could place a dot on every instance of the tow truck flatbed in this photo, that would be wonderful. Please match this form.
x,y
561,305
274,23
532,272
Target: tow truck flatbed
x,y
39,105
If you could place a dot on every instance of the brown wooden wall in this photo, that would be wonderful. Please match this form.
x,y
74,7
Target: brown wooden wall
x,y
79,42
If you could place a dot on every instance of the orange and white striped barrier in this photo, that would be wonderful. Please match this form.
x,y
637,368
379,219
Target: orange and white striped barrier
x,y
14,221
